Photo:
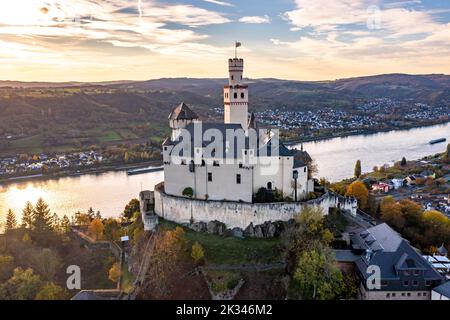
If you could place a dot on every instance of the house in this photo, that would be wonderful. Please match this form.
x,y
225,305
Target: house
x,y
381,187
398,183
410,180
404,273
441,292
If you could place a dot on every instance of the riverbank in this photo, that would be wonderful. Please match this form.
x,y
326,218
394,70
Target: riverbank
x,y
79,172
366,132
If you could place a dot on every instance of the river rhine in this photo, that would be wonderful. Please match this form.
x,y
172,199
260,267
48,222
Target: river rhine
x,y
109,192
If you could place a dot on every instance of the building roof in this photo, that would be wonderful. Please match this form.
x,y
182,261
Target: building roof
x,y
182,112
235,136
443,289
252,123
442,250
387,249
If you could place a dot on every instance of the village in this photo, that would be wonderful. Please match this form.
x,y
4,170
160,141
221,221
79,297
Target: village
x,y
425,181
376,115
23,165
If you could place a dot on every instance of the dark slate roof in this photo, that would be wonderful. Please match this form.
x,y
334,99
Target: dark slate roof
x,y
224,128
443,289
442,250
252,122
182,112
346,256
387,249
299,164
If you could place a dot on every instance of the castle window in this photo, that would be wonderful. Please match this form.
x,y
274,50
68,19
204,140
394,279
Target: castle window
x,y
415,283
165,148
183,162
242,95
232,77
210,176
238,179
393,294
428,283
304,170
203,163
235,95
269,185
216,163
240,165
406,283
417,272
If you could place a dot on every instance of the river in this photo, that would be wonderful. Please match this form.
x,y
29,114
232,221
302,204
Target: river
x,y
109,192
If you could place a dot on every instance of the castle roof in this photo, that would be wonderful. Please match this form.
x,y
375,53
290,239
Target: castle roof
x,y
182,112
252,122
278,148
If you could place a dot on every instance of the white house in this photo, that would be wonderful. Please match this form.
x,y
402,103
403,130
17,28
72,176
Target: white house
x,y
232,160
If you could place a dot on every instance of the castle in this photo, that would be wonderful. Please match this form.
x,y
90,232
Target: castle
x,y
233,172
232,160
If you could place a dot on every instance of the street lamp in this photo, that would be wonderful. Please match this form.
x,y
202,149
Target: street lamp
x,y
295,176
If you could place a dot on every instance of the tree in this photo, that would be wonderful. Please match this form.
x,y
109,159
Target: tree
x,y
391,212
317,276
358,190
42,219
65,224
11,222
358,169
188,192
130,209
197,253
112,229
24,284
6,267
403,162
115,273
27,215
46,263
446,155
51,291
307,233
96,229
166,255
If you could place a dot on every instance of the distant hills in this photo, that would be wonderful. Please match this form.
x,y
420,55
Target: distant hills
x,y
77,112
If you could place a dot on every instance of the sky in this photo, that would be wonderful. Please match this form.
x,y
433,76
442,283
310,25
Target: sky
x,y
104,40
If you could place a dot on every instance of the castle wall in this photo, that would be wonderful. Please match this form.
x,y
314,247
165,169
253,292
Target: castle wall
x,y
235,214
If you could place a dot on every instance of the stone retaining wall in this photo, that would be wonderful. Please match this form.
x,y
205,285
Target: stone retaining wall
x,y
240,215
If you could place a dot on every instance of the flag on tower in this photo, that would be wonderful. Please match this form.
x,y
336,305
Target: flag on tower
x,y
238,44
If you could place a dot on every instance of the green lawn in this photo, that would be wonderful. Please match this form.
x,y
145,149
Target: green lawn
x,y
110,135
231,250
29,144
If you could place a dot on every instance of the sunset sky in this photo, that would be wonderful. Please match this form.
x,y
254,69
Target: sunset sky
x,y
102,40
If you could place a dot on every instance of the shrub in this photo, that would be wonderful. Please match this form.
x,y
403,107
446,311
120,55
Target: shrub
x,y
188,192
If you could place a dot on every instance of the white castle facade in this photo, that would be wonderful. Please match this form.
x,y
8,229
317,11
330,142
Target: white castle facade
x,y
233,160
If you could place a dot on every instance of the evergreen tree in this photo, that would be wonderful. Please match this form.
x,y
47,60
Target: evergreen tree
x,y
403,162
42,218
65,224
27,215
358,169
11,222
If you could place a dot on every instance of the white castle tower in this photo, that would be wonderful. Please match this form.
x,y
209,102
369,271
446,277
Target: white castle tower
x,y
235,94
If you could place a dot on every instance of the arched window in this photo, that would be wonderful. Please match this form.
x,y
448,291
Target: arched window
x,y
269,185
242,95
235,95
232,77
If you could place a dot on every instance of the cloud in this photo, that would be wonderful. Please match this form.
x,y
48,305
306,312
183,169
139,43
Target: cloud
x,y
255,19
220,3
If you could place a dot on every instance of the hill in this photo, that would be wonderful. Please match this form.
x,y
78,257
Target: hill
x,y
37,116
